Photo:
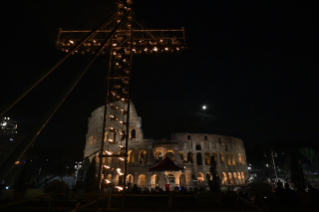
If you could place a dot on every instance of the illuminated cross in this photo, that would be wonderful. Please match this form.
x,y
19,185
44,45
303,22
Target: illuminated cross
x,y
121,36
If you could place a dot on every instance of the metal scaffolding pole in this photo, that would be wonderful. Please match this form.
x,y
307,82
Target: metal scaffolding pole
x,y
27,142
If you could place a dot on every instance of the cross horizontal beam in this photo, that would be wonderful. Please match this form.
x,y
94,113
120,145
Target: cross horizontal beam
x,y
125,30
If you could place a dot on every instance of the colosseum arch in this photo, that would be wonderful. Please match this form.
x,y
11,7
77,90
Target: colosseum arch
x,y
228,160
190,157
181,154
171,154
200,178
224,180
142,156
198,147
239,177
222,158
230,178
235,178
141,182
239,158
130,156
133,134
243,176
155,181
117,179
182,180
215,156
233,161
199,161
158,155
130,179
207,158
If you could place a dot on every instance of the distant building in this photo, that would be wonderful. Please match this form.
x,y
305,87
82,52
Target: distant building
x,y
190,151
8,137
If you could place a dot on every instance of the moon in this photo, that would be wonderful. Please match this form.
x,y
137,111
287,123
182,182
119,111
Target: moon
x,y
204,107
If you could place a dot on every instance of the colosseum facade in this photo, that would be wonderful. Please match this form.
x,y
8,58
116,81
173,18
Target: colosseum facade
x,y
193,151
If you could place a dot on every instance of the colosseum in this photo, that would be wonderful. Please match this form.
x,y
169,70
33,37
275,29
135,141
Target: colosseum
x,y
189,154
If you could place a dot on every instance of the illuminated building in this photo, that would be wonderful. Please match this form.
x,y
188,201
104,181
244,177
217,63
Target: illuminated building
x,y
192,151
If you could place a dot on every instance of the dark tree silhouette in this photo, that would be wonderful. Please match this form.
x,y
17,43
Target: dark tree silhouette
x,y
297,175
91,181
213,184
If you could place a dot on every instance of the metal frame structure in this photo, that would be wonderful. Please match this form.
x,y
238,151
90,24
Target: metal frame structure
x,y
118,36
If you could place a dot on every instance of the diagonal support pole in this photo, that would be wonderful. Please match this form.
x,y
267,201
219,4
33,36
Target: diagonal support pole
x,y
27,142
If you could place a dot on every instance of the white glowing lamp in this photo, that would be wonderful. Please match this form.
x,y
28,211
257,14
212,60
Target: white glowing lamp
x,y
71,41
122,159
107,181
107,167
119,188
155,49
109,153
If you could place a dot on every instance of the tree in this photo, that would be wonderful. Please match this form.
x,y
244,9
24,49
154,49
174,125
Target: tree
x,y
308,153
213,184
297,175
91,181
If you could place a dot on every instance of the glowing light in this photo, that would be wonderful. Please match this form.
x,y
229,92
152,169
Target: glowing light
x,y
4,123
107,181
17,162
145,49
166,48
114,44
204,107
110,140
107,152
122,159
71,41
155,49
94,41
107,167
119,188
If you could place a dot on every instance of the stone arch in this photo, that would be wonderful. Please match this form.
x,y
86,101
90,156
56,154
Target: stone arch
x,y
190,157
199,159
239,177
228,159
155,181
230,178
130,156
200,177
215,156
141,182
239,158
207,158
182,180
222,158
170,178
233,161
142,156
243,177
235,178
158,155
198,147
224,180
133,134
129,179
181,154
171,154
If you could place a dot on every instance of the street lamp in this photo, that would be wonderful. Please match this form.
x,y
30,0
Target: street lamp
x,y
77,167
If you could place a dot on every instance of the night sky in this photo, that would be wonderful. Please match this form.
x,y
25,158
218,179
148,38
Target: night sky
x,y
254,64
